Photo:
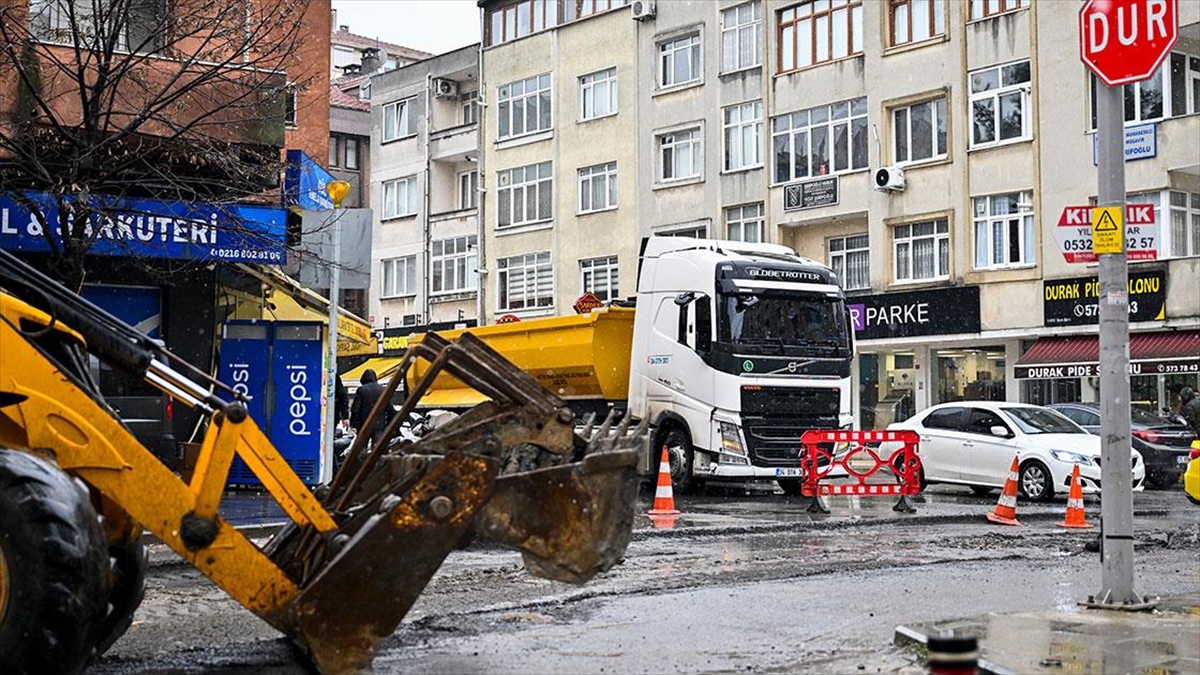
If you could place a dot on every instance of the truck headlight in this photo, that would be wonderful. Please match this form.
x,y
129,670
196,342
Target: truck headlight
x,y
732,450
1069,457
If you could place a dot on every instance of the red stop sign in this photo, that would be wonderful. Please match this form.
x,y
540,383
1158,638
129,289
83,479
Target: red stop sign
x,y
1125,41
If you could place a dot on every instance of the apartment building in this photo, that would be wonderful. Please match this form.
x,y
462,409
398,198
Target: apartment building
x,y
922,148
347,51
425,192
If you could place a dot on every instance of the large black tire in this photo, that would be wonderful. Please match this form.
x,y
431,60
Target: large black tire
x,y
54,568
681,457
129,564
1035,482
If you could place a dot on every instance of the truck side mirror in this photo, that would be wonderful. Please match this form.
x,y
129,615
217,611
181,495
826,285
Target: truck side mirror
x,y
684,298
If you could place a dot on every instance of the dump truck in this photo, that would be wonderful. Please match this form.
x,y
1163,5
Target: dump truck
x,y
77,492
730,351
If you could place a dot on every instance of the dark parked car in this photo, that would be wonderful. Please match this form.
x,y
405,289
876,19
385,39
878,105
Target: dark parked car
x,y
1164,444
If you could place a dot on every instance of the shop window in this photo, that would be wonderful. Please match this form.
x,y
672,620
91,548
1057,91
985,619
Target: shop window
x,y
886,385
969,374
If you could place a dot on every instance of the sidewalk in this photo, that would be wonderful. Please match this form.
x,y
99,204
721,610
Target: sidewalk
x,y
1080,641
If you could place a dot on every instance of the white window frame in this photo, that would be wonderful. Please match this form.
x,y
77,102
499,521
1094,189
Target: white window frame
x,y
468,190
741,24
1188,217
598,94
1002,223
850,260
797,128
400,197
522,187
532,93
531,276
904,144
807,34
453,265
599,276
1020,89
364,90
343,56
470,107
745,223
988,9
670,50
398,277
671,144
335,151
904,241
598,180
403,119
743,136
1165,79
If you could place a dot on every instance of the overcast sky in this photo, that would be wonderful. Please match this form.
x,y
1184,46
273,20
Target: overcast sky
x,y
436,26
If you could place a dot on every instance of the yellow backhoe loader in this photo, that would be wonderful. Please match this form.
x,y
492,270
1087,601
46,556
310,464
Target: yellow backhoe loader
x,y
77,491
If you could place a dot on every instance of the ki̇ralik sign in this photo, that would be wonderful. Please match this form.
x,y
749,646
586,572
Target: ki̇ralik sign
x,y
1074,233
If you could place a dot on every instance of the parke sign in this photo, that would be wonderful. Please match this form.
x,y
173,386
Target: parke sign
x,y
1125,41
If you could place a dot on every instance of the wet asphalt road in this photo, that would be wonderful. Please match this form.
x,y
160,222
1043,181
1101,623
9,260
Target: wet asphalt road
x,y
746,582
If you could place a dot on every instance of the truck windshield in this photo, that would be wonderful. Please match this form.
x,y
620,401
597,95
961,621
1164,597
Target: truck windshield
x,y
774,322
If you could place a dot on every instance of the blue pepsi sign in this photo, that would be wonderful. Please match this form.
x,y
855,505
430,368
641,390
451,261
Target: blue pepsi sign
x,y
297,353
154,229
304,183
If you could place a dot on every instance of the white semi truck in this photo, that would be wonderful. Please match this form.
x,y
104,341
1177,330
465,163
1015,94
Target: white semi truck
x,y
730,350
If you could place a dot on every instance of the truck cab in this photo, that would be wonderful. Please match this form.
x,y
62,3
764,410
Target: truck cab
x,y
738,348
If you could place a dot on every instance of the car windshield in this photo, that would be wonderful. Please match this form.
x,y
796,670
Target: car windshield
x,y
1042,421
804,320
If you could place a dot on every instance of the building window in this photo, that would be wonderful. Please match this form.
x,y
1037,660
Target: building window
x,y
364,90
524,195
819,141
1185,223
598,187
818,31
679,155
399,276
919,131
526,282
983,9
598,276
342,56
743,136
1160,97
922,251
468,190
741,37
578,9
917,20
850,258
470,107
999,103
744,223
679,61
334,152
142,24
452,265
399,119
400,197
520,19
351,154
598,94
289,105
524,106
690,230
1004,230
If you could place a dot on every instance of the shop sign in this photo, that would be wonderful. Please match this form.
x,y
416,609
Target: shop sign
x,y
811,194
150,228
394,341
944,311
304,183
1075,302
1141,142
1051,371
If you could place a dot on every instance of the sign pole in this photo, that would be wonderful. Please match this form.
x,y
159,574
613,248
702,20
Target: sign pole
x,y
1116,475
337,191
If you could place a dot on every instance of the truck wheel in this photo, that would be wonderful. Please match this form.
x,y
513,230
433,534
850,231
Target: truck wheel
x,y
681,457
53,568
129,564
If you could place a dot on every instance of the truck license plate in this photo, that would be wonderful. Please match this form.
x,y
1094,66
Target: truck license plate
x,y
789,471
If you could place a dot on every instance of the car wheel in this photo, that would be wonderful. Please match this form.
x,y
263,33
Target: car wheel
x,y
1035,481
981,490
680,456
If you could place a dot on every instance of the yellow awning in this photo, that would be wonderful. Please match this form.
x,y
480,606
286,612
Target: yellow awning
x,y
379,365
354,334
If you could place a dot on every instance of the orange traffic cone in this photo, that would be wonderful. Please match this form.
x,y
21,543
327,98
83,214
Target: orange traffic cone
x,y
1006,508
1075,515
664,498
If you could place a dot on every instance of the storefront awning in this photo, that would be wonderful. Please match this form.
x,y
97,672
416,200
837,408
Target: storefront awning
x,y
1078,356
380,365
354,333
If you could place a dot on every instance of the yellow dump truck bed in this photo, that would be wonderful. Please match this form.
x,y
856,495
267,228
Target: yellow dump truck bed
x,y
578,358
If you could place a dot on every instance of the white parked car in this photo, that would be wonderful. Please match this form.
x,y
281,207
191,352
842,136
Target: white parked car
x,y
973,443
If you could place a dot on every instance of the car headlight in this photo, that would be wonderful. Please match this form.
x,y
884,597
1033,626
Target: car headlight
x,y
1069,457
732,450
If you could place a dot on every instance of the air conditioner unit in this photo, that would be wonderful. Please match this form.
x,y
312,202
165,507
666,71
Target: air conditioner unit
x,y
889,179
443,88
643,9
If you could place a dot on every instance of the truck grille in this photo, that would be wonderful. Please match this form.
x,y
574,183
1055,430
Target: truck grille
x,y
775,440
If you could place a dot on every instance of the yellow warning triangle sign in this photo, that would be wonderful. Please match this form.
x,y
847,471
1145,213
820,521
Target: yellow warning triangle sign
x,y
1106,223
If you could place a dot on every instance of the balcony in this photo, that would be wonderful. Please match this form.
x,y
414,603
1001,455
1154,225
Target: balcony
x,y
455,144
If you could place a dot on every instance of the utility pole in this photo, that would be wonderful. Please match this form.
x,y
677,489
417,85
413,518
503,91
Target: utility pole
x,y
337,191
